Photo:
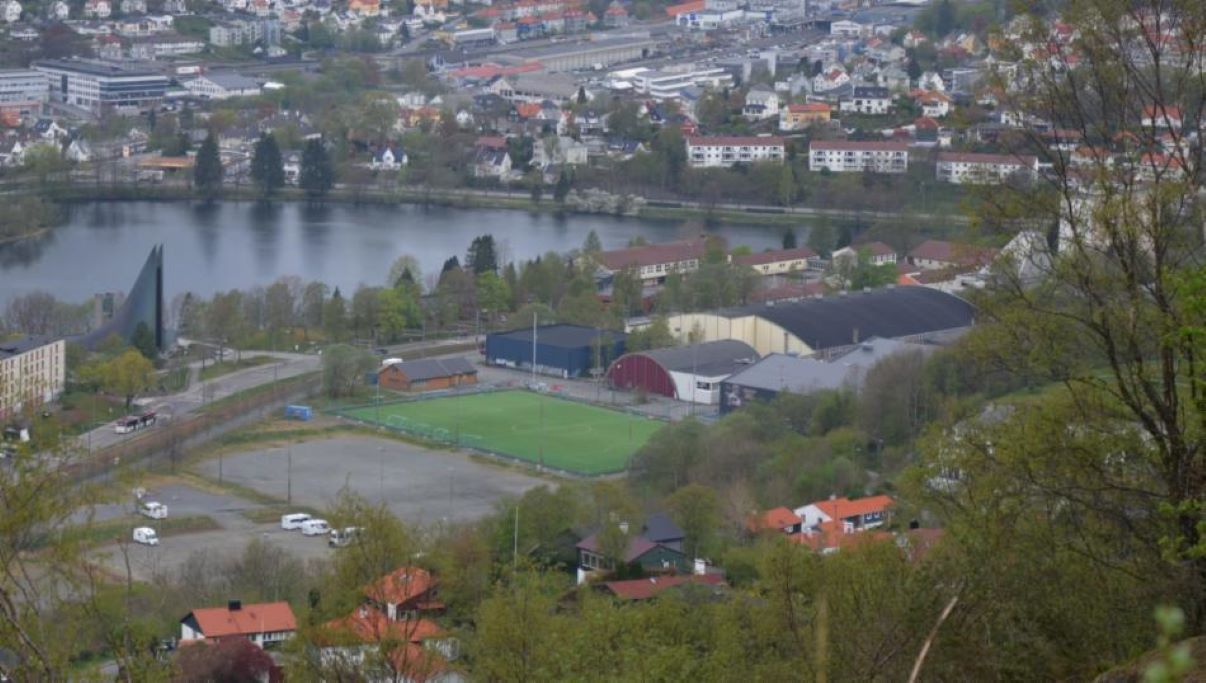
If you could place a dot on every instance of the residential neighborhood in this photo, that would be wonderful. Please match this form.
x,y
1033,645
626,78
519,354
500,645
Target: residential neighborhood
x,y
628,340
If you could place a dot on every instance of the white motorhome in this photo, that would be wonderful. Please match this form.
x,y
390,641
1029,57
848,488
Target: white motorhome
x,y
293,521
345,536
315,527
153,510
146,536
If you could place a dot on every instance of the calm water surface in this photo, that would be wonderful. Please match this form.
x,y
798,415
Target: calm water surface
x,y
242,244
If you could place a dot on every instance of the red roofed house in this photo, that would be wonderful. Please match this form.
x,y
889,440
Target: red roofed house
x,y
653,262
419,649
404,593
724,151
939,254
778,519
644,589
263,624
829,537
859,514
1162,117
878,253
778,261
695,6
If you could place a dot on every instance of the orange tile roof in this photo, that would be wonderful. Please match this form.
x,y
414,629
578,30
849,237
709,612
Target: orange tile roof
x,y
833,535
841,508
776,518
369,625
401,585
809,107
217,622
686,8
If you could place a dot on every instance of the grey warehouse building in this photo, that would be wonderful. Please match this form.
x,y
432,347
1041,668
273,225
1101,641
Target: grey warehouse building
x,y
780,372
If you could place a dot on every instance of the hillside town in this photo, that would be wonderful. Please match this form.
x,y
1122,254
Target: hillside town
x,y
433,341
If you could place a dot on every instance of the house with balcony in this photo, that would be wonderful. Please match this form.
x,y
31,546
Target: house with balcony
x,y
725,151
851,156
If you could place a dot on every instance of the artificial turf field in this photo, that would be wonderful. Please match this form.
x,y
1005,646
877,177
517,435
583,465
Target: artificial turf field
x,y
575,437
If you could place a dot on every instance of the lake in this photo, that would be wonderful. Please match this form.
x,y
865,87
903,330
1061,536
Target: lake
x,y
230,245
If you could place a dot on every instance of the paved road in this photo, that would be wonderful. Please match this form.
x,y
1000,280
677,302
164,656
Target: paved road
x,y
199,393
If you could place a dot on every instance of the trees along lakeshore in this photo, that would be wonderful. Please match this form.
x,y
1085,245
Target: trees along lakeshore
x,y
267,166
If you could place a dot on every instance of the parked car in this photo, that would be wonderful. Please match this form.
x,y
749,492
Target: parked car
x,y
153,510
146,536
315,527
345,536
294,521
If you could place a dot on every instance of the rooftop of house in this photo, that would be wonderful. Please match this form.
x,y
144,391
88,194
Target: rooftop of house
x,y
844,508
236,619
775,256
953,252
775,519
653,254
432,368
644,589
401,586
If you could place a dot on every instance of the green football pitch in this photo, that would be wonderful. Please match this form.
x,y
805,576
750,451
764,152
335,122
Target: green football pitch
x,y
526,425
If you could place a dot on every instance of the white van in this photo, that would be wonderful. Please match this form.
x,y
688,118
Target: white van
x,y
145,535
344,537
315,527
293,521
153,510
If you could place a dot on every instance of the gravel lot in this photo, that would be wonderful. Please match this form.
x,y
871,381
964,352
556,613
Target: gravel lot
x,y
173,551
420,486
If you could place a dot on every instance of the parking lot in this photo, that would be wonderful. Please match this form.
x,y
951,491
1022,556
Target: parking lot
x,y
173,552
420,486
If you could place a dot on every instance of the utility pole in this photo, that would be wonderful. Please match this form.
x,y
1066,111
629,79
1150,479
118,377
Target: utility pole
x,y
515,540
535,315
289,478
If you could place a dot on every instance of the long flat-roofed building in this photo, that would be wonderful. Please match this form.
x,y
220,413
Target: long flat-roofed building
x,y
988,169
33,371
101,86
724,150
22,85
851,156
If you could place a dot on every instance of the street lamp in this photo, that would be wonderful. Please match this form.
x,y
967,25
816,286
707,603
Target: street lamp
x,y
381,479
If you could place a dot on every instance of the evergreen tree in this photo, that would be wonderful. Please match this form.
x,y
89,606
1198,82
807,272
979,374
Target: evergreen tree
x,y
317,171
562,189
482,256
144,341
335,316
452,263
789,239
207,172
267,167
593,244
